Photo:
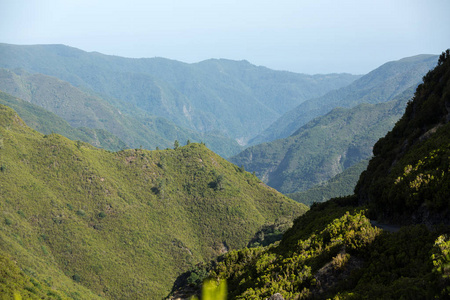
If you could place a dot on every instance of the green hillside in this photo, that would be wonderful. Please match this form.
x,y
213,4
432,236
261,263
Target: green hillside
x,y
407,181
323,148
47,122
87,222
343,184
83,109
235,98
334,252
380,85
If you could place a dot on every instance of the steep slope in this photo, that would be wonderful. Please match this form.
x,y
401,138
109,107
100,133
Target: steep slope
x,y
381,85
407,181
235,98
333,251
47,122
82,109
343,184
91,222
323,148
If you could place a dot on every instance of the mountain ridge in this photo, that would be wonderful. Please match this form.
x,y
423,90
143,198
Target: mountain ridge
x,y
170,89
346,135
380,85
81,108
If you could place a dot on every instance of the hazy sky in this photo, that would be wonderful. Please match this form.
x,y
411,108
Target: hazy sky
x,y
314,36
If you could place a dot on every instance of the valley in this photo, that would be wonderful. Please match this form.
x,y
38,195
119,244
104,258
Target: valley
x,y
115,183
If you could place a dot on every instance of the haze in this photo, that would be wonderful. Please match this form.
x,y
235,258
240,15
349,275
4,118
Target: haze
x,y
323,36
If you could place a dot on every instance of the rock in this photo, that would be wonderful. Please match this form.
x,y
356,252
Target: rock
x,y
276,296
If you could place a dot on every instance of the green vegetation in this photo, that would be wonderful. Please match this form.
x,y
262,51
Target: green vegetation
x,y
91,223
340,185
213,291
15,283
409,173
383,84
323,148
233,99
47,122
334,252
95,120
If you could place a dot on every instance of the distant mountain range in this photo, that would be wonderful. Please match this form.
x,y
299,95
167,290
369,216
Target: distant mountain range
x,y
380,85
47,122
343,184
317,150
322,148
232,98
83,109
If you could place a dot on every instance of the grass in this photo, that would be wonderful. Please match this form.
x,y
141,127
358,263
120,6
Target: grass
x,y
122,224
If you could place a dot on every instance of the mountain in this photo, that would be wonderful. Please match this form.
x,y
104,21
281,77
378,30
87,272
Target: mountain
x,y
47,122
407,180
335,251
322,148
89,223
343,184
381,85
83,109
234,98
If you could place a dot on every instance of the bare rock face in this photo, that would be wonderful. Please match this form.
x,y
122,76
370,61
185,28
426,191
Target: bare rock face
x,y
276,296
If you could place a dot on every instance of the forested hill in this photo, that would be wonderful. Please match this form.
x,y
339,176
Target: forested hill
x,y
335,252
91,113
234,98
380,85
408,180
82,222
46,122
322,148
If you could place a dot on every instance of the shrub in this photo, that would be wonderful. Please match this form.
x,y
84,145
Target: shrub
x,y
81,212
76,278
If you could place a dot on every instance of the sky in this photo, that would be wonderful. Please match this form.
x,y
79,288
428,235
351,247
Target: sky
x,y
314,36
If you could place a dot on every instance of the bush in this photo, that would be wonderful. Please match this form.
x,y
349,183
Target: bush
x,y
76,278
81,212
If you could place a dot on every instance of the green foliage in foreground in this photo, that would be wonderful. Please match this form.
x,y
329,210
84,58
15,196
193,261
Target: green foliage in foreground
x,y
91,223
211,290
341,258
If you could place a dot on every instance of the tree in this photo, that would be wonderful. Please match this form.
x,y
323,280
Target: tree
x,y
219,182
176,144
